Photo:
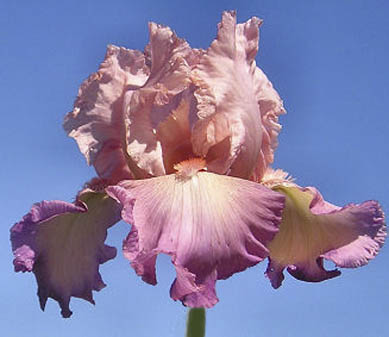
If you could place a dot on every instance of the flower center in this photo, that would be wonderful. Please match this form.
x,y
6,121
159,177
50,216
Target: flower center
x,y
188,168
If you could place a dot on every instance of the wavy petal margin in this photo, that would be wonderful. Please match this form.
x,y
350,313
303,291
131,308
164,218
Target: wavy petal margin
x,y
97,120
211,225
238,107
313,229
147,107
271,108
63,244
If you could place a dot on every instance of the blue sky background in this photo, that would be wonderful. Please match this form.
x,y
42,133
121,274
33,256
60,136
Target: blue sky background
x,y
329,62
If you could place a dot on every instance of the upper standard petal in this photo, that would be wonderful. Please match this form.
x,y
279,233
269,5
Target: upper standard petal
x,y
97,120
174,135
232,107
271,107
236,102
146,108
63,244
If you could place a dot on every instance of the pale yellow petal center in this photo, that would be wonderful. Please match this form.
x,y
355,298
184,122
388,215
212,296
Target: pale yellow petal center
x,y
303,235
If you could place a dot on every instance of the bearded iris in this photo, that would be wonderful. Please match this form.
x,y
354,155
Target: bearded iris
x,y
181,140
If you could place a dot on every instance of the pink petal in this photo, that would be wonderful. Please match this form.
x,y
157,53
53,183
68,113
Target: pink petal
x,y
147,107
63,244
211,225
271,107
230,132
174,134
313,229
96,122
170,59
143,148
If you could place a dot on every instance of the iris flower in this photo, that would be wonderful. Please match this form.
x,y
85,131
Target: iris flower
x,y
181,140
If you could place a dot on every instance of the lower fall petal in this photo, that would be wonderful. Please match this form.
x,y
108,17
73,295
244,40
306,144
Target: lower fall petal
x,y
191,293
313,229
211,225
63,244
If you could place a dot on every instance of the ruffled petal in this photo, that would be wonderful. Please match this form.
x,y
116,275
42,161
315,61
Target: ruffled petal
x,y
229,132
211,225
313,229
97,120
271,107
63,244
170,59
143,147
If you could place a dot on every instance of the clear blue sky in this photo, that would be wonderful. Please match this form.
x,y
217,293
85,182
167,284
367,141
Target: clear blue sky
x,y
329,62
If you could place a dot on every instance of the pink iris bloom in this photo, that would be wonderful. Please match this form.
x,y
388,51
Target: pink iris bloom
x,y
181,140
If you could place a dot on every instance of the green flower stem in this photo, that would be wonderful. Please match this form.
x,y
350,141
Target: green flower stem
x,y
195,325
